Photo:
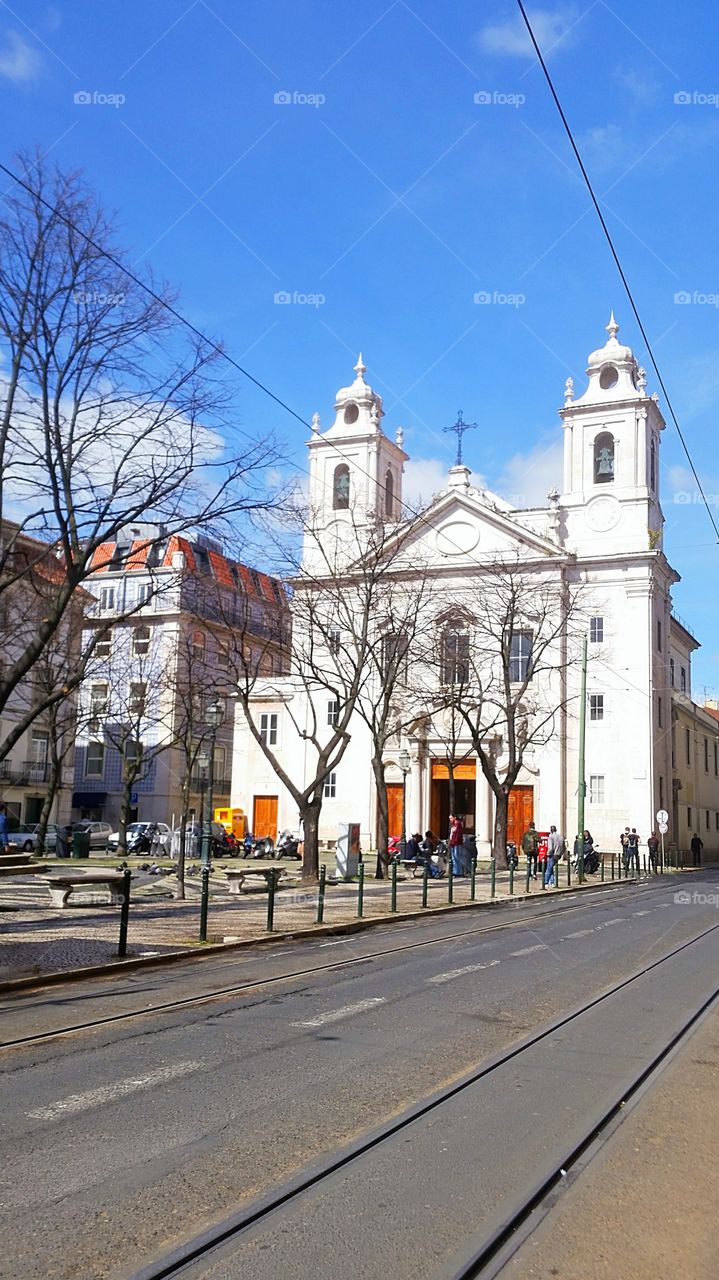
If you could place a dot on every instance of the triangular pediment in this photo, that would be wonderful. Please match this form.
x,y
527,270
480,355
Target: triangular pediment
x,y
472,526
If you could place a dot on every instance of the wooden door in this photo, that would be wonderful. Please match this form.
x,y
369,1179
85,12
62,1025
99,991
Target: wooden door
x,y
521,813
264,817
394,809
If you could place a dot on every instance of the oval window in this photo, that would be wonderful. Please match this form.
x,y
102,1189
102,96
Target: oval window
x,y
608,377
351,414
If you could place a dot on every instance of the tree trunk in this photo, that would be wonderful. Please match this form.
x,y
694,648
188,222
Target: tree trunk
x,y
452,808
310,816
382,869
499,847
52,786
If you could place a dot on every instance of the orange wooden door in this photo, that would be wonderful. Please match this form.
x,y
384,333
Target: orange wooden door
x,y
264,817
521,812
394,808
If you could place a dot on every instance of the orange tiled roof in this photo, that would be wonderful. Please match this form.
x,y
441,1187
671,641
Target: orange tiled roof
x,y
102,556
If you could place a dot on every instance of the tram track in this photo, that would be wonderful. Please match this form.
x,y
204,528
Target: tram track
x,y
491,1253
255,984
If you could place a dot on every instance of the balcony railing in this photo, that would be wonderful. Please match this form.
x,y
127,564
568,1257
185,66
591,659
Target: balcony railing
x,y
28,774
221,786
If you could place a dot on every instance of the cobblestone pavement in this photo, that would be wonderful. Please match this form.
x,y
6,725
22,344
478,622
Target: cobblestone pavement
x,y
35,938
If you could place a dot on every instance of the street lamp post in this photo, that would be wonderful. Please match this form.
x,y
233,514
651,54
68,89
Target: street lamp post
x,y
404,764
206,762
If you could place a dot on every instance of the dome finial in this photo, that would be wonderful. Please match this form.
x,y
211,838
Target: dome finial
x,y
612,327
360,367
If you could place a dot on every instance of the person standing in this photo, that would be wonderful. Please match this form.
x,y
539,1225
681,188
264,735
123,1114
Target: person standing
x,y
696,846
456,840
633,850
555,846
623,839
653,847
3,827
530,846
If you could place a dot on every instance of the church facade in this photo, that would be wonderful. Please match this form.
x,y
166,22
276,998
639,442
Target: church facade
x,y
600,534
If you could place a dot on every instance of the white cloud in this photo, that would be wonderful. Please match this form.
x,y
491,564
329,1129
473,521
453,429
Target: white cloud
x,y
552,27
423,477
528,477
19,61
643,88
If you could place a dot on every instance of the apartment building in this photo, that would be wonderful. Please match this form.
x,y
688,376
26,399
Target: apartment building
x,y
186,614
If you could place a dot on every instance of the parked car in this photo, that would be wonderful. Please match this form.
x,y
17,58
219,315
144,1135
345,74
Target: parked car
x,y
139,835
99,832
25,838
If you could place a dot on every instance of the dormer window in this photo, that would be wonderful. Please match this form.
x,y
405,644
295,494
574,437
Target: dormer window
x,y
341,487
351,414
389,494
604,458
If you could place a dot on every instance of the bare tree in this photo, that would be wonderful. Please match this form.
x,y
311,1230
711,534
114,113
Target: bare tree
x,y
109,412
340,595
523,623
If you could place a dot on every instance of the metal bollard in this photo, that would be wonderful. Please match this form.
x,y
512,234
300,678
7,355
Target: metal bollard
x,y
528,877
544,873
580,867
271,886
602,865
360,890
473,880
425,882
124,914
450,882
321,894
393,896
204,897
493,879
612,864
681,859
569,870
511,880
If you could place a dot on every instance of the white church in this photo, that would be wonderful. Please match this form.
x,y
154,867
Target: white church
x,y
606,522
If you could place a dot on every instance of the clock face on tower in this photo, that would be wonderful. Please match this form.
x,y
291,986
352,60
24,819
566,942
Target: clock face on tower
x,y
603,513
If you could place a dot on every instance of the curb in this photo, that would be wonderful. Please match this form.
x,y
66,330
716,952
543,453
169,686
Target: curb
x,y
60,977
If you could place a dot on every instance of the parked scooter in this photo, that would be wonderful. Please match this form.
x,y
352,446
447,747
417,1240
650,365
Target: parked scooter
x,y
262,848
288,846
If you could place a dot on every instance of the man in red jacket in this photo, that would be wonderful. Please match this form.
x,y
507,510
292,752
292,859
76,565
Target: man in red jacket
x,y
456,840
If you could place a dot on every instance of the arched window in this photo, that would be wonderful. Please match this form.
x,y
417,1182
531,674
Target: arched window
x,y
652,466
341,488
389,494
604,458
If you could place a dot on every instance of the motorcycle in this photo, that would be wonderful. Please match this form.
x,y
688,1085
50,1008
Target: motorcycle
x,y
264,847
288,846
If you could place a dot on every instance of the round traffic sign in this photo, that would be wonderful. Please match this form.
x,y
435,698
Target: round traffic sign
x,y
662,816
663,828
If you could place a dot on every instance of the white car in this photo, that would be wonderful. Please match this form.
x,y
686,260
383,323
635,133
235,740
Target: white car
x,y
135,831
25,838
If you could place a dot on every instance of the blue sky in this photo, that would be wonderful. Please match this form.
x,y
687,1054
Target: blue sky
x,y
382,197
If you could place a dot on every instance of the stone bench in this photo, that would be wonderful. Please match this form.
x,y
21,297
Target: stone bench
x,y
236,876
62,886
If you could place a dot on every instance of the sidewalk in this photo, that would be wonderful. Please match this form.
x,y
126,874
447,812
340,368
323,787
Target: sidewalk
x,y
35,939
645,1208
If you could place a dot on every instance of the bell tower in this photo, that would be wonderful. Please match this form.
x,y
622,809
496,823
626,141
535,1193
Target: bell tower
x,y
355,470
611,456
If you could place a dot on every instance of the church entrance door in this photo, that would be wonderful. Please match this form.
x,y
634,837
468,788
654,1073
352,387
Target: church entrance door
x,y
394,809
521,813
465,791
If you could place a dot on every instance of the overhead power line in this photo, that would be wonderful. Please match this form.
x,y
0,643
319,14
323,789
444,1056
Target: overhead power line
x,y
617,261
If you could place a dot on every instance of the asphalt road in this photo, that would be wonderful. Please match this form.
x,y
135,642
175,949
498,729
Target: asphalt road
x,y
122,1142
